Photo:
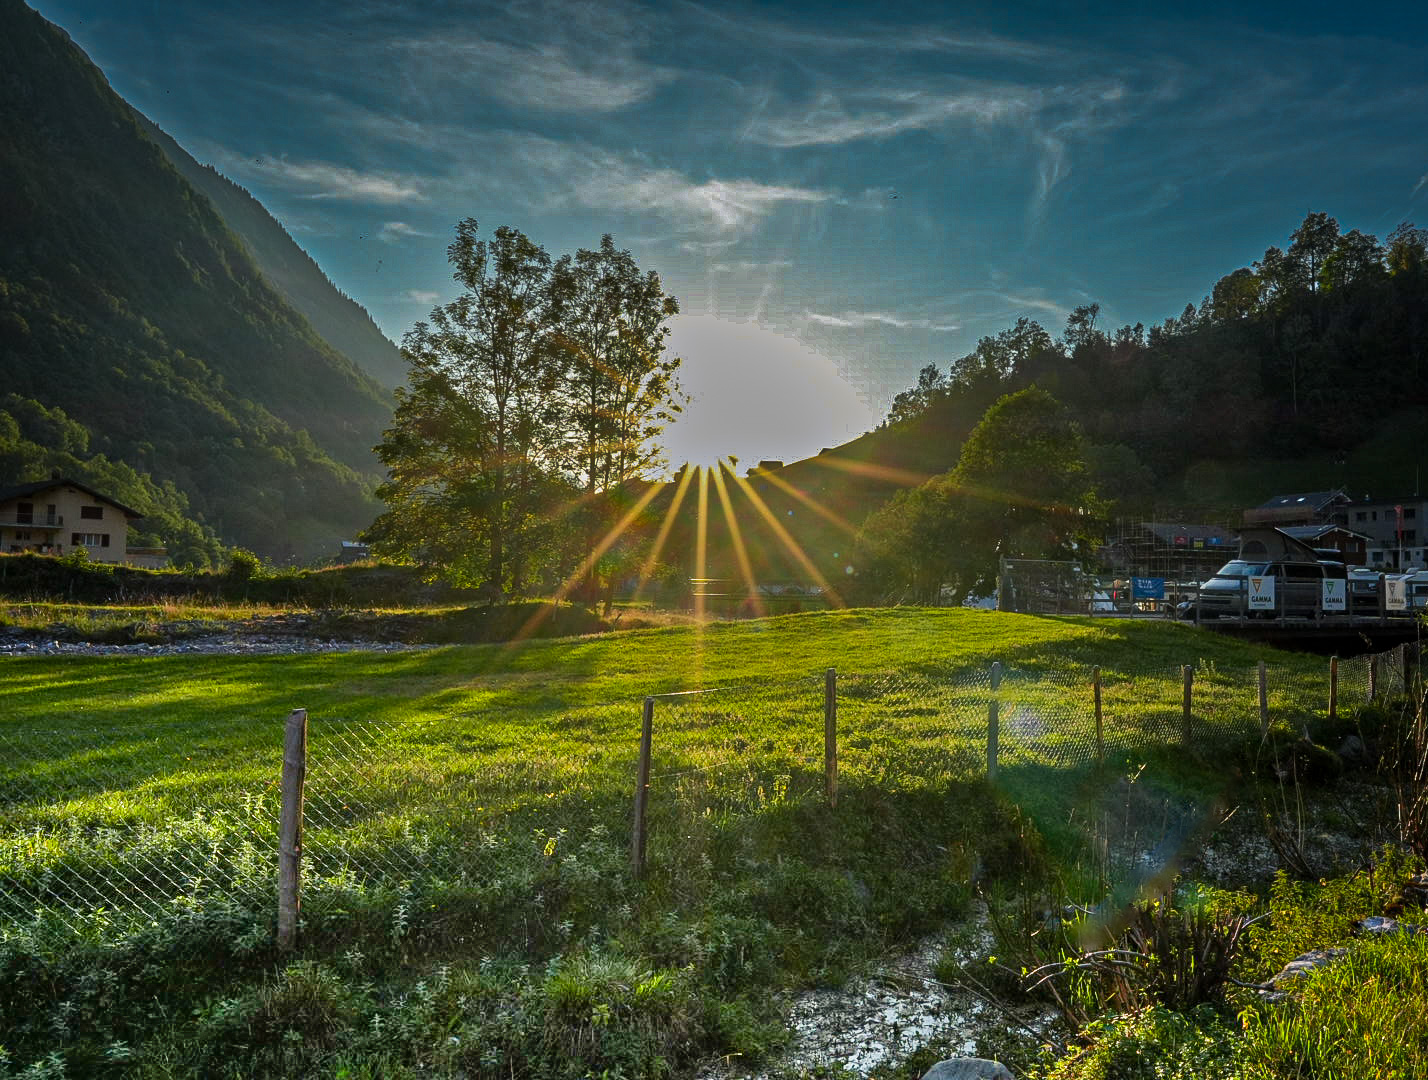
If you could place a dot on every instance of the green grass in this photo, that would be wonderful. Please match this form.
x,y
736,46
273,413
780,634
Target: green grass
x,y
470,806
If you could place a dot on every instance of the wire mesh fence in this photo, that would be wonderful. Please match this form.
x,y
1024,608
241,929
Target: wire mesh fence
x,y
112,826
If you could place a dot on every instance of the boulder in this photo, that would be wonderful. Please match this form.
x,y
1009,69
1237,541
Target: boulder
x,y
968,1069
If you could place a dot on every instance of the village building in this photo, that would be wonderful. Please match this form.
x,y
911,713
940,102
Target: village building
x,y
58,516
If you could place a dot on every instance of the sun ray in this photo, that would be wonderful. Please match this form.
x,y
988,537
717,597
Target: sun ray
x,y
908,478
701,573
608,541
890,473
736,538
811,503
648,569
789,543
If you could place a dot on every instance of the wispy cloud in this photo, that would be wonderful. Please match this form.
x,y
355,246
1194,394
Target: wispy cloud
x,y
541,76
394,231
322,180
1422,180
834,118
589,177
857,320
421,296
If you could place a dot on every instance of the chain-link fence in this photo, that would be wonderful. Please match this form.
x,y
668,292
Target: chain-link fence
x,y
109,826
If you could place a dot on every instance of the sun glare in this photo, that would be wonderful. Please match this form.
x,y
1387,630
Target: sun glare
x,y
755,395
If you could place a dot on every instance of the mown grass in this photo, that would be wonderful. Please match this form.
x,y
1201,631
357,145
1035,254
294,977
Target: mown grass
x,y
469,814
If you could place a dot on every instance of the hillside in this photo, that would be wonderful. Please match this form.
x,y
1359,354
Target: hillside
x,y
127,303
1303,372
339,320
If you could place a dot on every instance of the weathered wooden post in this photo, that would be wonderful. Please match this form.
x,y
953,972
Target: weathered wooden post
x,y
1100,732
1333,688
1263,700
1373,677
993,723
642,790
830,735
290,828
1383,599
1406,650
1189,675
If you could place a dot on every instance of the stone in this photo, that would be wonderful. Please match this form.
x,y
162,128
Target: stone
x,y
968,1069
1354,752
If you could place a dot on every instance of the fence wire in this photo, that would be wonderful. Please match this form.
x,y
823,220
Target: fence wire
x,y
119,824
114,826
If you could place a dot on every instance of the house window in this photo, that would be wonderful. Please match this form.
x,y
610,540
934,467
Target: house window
x,y
1410,535
22,534
1378,556
1410,512
92,513
24,513
1361,515
90,539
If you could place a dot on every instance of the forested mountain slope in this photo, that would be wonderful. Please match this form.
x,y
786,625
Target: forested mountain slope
x,y
1307,370
341,321
127,303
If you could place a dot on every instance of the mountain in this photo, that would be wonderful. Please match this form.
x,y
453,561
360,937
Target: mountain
x,y
128,304
339,320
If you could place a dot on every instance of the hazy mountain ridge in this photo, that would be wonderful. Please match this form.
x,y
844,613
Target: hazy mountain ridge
x,y
341,321
127,302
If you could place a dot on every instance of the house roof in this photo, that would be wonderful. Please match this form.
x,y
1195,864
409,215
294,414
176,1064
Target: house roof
x,y
19,492
1314,532
1169,533
1309,500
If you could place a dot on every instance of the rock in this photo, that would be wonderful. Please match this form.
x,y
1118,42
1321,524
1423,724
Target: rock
x,y
968,1069
1354,752
1301,965
1382,926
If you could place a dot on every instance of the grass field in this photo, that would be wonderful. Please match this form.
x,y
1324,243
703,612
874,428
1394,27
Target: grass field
x,y
470,806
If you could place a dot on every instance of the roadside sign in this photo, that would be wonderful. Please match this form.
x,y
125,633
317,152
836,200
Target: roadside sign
x,y
1336,594
1395,594
1261,593
1147,588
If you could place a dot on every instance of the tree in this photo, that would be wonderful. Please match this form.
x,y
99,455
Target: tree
x,y
1020,488
476,446
622,388
544,379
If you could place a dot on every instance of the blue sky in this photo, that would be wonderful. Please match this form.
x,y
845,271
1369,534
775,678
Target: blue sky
x,y
872,187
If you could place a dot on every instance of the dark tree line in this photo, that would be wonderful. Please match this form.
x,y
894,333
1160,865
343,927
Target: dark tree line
x,y
1310,352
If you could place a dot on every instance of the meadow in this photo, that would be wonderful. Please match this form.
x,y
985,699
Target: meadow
x,y
469,809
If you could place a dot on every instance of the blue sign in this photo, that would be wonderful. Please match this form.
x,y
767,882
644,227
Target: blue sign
x,y
1147,588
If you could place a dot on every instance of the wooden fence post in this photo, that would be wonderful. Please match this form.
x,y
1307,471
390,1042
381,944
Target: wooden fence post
x,y
1383,599
290,828
642,790
1333,688
1189,675
1373,677
1263,700
1100,732
830,735
992,723
1407,656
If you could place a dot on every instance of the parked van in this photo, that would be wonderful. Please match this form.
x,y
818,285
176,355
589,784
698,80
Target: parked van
x,y
1298,587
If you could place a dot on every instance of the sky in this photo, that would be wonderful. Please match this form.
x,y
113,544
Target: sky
x,y
838,194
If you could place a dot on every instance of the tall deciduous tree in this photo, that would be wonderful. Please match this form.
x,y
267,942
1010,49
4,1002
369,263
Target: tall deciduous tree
x,y
1020,488
621,385
476,445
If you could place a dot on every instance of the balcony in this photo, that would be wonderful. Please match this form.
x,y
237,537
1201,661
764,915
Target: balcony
x,y
13,520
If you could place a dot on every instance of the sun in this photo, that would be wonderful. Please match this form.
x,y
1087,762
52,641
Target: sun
x,y
756,395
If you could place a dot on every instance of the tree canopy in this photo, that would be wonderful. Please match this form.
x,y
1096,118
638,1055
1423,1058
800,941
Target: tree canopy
x,y
1021,487
530,398
1312,354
